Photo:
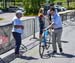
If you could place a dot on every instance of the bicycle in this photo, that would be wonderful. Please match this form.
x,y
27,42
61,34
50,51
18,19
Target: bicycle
x,y
45,41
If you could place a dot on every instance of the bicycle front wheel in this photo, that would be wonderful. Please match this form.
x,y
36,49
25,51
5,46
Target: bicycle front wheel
x,y
48,40
41,49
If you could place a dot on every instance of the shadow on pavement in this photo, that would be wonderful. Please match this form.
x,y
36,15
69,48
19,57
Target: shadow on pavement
x,y
11,57
28,58
64,41
58,55
46,56
63,55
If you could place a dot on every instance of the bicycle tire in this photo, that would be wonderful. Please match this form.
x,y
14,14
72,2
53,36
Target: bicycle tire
x,y
48,41
44,43
41,49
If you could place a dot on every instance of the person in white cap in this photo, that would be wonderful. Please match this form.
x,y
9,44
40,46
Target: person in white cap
x,y
17,30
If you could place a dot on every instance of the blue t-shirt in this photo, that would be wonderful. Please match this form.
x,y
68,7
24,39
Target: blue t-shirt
x,y
17,21
57,20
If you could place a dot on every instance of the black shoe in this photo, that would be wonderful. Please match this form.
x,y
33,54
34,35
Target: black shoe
x,y
60,49
54,52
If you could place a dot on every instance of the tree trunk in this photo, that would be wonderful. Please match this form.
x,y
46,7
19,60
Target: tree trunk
x,y
68,4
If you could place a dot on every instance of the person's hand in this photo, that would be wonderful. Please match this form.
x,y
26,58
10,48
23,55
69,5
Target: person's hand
x,y
19,26
22,27
44,29
49,23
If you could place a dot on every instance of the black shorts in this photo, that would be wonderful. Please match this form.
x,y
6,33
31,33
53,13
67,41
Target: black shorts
x,y
41,29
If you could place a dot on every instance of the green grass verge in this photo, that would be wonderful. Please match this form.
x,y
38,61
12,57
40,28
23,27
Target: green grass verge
x,y
30,14
1,18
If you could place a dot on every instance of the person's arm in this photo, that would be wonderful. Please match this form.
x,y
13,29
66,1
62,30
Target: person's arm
x,y
48,17
49,27
19,26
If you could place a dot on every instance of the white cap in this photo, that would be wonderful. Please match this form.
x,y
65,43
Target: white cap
x,y
19,11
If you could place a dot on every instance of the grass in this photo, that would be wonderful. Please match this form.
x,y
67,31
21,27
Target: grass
x,y
1,18
30,14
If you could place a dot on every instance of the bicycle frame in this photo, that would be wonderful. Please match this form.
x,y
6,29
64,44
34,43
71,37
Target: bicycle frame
x,y
44,38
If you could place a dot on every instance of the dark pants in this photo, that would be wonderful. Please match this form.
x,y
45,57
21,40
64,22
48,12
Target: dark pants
x,y
17,37
41,28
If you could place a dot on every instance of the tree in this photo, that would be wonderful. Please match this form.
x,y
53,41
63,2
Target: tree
x,y
51,1
0,0
4,3
32,6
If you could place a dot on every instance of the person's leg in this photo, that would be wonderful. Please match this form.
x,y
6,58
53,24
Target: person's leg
x,y
54,42
17,38
40,34
18,43
59,33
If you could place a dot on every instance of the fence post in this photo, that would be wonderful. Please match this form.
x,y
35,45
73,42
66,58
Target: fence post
x,y
33,30
66,16
74,15
62,17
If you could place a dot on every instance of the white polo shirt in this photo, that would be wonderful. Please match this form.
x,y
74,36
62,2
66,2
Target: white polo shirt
x,y
17,21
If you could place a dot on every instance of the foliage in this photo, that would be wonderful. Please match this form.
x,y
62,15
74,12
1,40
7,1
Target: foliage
x,y
32,6
60,1
51,1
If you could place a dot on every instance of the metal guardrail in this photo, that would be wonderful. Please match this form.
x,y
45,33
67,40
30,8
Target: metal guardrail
x,y
67,15
31,27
